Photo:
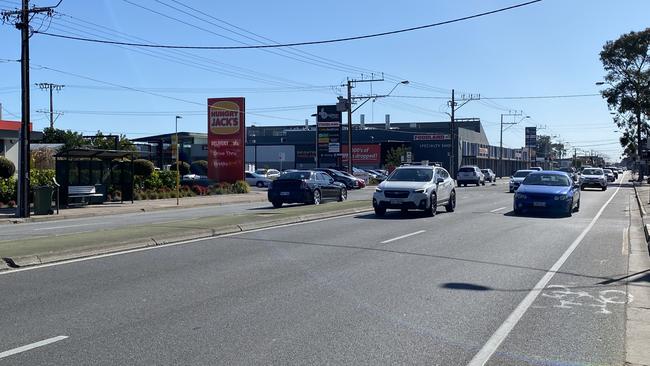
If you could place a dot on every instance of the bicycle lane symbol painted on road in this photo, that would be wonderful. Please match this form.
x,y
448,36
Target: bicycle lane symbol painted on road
x,y
568,298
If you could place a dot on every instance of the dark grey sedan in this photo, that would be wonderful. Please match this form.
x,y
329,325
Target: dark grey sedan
x,y
305,186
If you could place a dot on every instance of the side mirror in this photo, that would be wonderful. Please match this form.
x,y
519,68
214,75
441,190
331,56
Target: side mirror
x,y
330,180
439,180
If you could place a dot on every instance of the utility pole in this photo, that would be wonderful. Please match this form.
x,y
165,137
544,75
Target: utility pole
x,y
51,87
21,18
509,114
453,103
349,85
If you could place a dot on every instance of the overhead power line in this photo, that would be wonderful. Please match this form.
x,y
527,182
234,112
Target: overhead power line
x,y
505,98
295,44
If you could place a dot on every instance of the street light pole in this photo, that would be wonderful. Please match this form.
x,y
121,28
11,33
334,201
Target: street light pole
x,y
178,171
501,138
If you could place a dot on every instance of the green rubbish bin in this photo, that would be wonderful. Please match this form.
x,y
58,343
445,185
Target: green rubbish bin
x,y
43,200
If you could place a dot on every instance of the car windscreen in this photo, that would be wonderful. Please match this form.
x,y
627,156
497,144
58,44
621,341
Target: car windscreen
x,y
295,175
466,170
608,171
411,175
592,172
521,174
547,180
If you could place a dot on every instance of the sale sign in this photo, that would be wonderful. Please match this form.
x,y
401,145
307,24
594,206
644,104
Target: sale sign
x,y
226,129
363,154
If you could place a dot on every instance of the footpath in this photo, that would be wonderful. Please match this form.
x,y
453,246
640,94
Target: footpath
x,y
637,326
7,216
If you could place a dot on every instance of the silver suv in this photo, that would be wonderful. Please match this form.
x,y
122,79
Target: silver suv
x,y
417,187
470,174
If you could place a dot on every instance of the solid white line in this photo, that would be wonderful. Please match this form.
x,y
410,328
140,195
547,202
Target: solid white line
x,y
502,332
402,237
498,209
42,343
129,251
62,227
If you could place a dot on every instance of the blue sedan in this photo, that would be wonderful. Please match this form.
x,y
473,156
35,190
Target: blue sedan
x,y
547,191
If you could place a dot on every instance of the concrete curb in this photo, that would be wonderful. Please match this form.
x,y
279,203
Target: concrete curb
x,y
637,315
646,229
35,260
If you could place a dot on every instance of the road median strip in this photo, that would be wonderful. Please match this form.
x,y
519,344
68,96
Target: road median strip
x,y
54,248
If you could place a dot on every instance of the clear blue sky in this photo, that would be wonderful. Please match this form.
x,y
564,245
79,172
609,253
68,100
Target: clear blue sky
x,y
548,48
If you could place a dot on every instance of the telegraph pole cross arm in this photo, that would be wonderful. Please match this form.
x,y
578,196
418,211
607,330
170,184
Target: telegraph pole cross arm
x,y
20,18
51,87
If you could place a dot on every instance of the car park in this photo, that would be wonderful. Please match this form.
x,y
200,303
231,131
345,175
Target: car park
x,y
305,186
470,174
257,180
490,176
418,187
594,178
349,181
547,191
609,174
517,178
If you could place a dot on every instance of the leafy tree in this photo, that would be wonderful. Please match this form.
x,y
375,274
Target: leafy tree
x,y
184,168
143,168
69,138
394,156
627,63
107,142
199,167
549,149
7,168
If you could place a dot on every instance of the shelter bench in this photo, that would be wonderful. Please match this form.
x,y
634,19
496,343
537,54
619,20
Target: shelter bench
x,y
85,193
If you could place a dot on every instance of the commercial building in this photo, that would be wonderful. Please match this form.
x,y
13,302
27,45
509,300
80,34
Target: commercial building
x,y
283,147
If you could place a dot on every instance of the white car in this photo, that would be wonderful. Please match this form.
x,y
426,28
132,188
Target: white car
x,y
417,187
271,174
257,180
470,174
517,178
593,177
490,176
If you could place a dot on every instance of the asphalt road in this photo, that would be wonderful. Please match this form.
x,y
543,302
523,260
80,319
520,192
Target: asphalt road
x,y
403,289
89,224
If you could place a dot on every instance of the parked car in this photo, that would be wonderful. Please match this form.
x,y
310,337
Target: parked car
x,y
376,175
269,173
536,168
305,186
415,187
490,176
258,180
547,191
517,178
470,174
609,174
593,177
349,181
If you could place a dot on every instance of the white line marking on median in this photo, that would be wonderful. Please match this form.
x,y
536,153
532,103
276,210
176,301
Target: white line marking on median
x,y
42,343
502,332
498,209
60,227
402,237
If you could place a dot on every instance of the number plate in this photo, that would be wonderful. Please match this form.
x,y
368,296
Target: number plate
x,y
395,201
284,193
539,204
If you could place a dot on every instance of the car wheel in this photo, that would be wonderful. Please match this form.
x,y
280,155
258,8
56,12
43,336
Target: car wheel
x,y
277,204
433,206
478,182
483,183
577,206
569,211
344,195
604,188
451,204
380,211
260,184
316,197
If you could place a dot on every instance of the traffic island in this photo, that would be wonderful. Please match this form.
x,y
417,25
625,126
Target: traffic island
x,y
53,248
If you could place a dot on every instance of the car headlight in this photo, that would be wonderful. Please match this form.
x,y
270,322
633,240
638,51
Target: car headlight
x,y
520,196
512,181
421,190
562,197
377,189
